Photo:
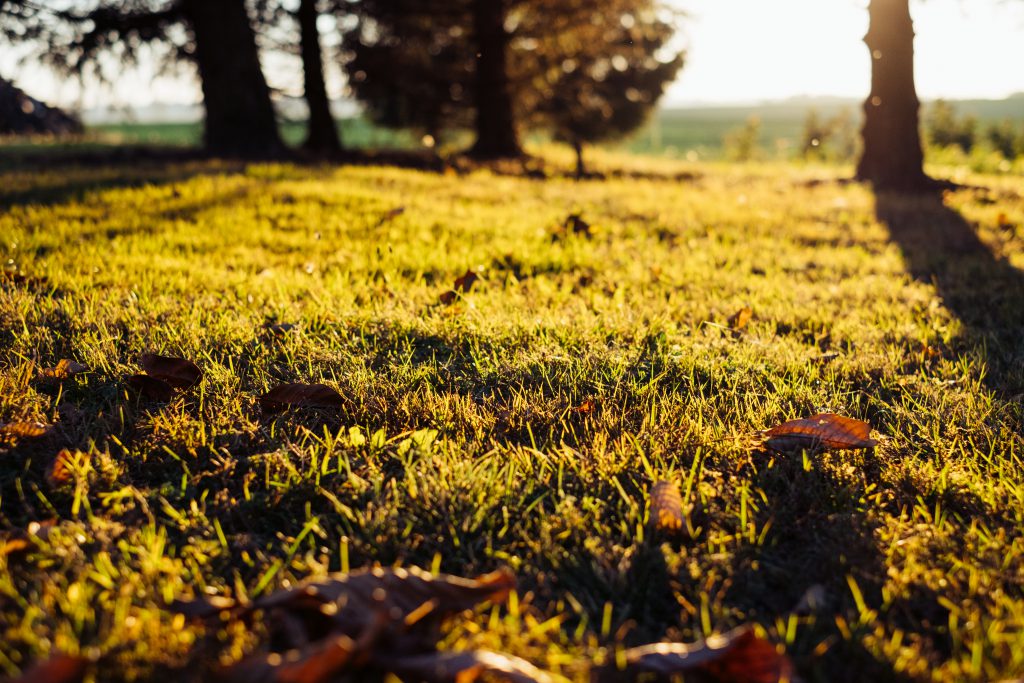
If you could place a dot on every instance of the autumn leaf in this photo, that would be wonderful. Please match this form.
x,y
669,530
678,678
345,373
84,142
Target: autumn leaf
x,y
667,507
63,370
65,464
59,668
821,431
320,662
151,388
24,430
177,372
462,285
464,667
300,395
573,224
739,320
739,656
584,408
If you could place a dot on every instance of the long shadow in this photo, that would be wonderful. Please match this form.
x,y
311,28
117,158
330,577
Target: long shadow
x,y
979,287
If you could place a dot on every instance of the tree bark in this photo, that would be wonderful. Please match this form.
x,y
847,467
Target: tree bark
x,y
240,118
892,157
496,135
581,169
322,136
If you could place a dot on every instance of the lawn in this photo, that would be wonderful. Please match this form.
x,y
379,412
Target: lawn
x,y
522,424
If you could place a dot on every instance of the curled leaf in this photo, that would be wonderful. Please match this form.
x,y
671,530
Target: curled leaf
x,y
177,372
463,284
64,465
151,388
63,370
739,320
667,507
300,395
821,431
739,656
464,667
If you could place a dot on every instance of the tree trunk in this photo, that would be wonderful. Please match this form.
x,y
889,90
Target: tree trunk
x,y
495,124
581,169
892,156
239,115
323,131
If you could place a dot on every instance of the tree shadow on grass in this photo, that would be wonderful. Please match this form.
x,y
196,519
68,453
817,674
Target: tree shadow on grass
x,y
978,286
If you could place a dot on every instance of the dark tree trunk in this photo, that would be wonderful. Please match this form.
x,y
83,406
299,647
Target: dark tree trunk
x,y
581,169
495,124
892,156
323,132
239,115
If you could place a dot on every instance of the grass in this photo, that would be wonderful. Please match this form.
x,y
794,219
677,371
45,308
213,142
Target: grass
x,y
458,447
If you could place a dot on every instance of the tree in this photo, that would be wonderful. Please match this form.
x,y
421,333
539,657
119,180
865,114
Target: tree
x,y
323,134
892,157
600,79
215,35
496,135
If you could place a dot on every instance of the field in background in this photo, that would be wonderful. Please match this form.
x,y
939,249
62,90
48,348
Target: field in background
x,y
523,423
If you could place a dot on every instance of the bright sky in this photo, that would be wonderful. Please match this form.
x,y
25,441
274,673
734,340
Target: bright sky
x,y
739,51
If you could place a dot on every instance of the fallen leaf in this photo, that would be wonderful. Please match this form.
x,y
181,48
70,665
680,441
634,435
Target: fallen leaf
x,y
739,656
575,224
177,372
462,285
824,430
59,668
390,215
667,507
464,667
584,408
300,395
738,321
320,662
151,388
64,369
64,465
24,430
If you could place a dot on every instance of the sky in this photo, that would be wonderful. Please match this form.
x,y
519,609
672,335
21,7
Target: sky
x,y
739,51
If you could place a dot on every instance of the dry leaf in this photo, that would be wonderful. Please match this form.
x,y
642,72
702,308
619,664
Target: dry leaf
x,y
739,656
462,285
24,430
321,662
63,468
464,667
177,372
584,408
667,507
64,369
824,430
300,395
738,321
59,668
151,388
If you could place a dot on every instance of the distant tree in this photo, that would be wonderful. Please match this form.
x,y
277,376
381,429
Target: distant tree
x,y
892,157
814,136
946,129
216,35
744,143
601,79
322,136
1004,138
436,65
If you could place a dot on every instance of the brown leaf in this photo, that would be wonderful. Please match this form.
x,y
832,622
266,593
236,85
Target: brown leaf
x,y
300,396
178,372
667,507
24,430
574,223
464,667
584,408
320,662
64,369
449,297
462,285
151,388
59,668
821,431
738,321
739,656
63,468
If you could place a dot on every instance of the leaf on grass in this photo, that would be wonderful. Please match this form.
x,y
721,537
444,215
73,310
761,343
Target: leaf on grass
x,y
177,372
739,656
584,408
464,667
739,320
667,507
59,668
24,430
151,388
300,395
573,224
63,468
821,431
64,369
462,285
390,215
